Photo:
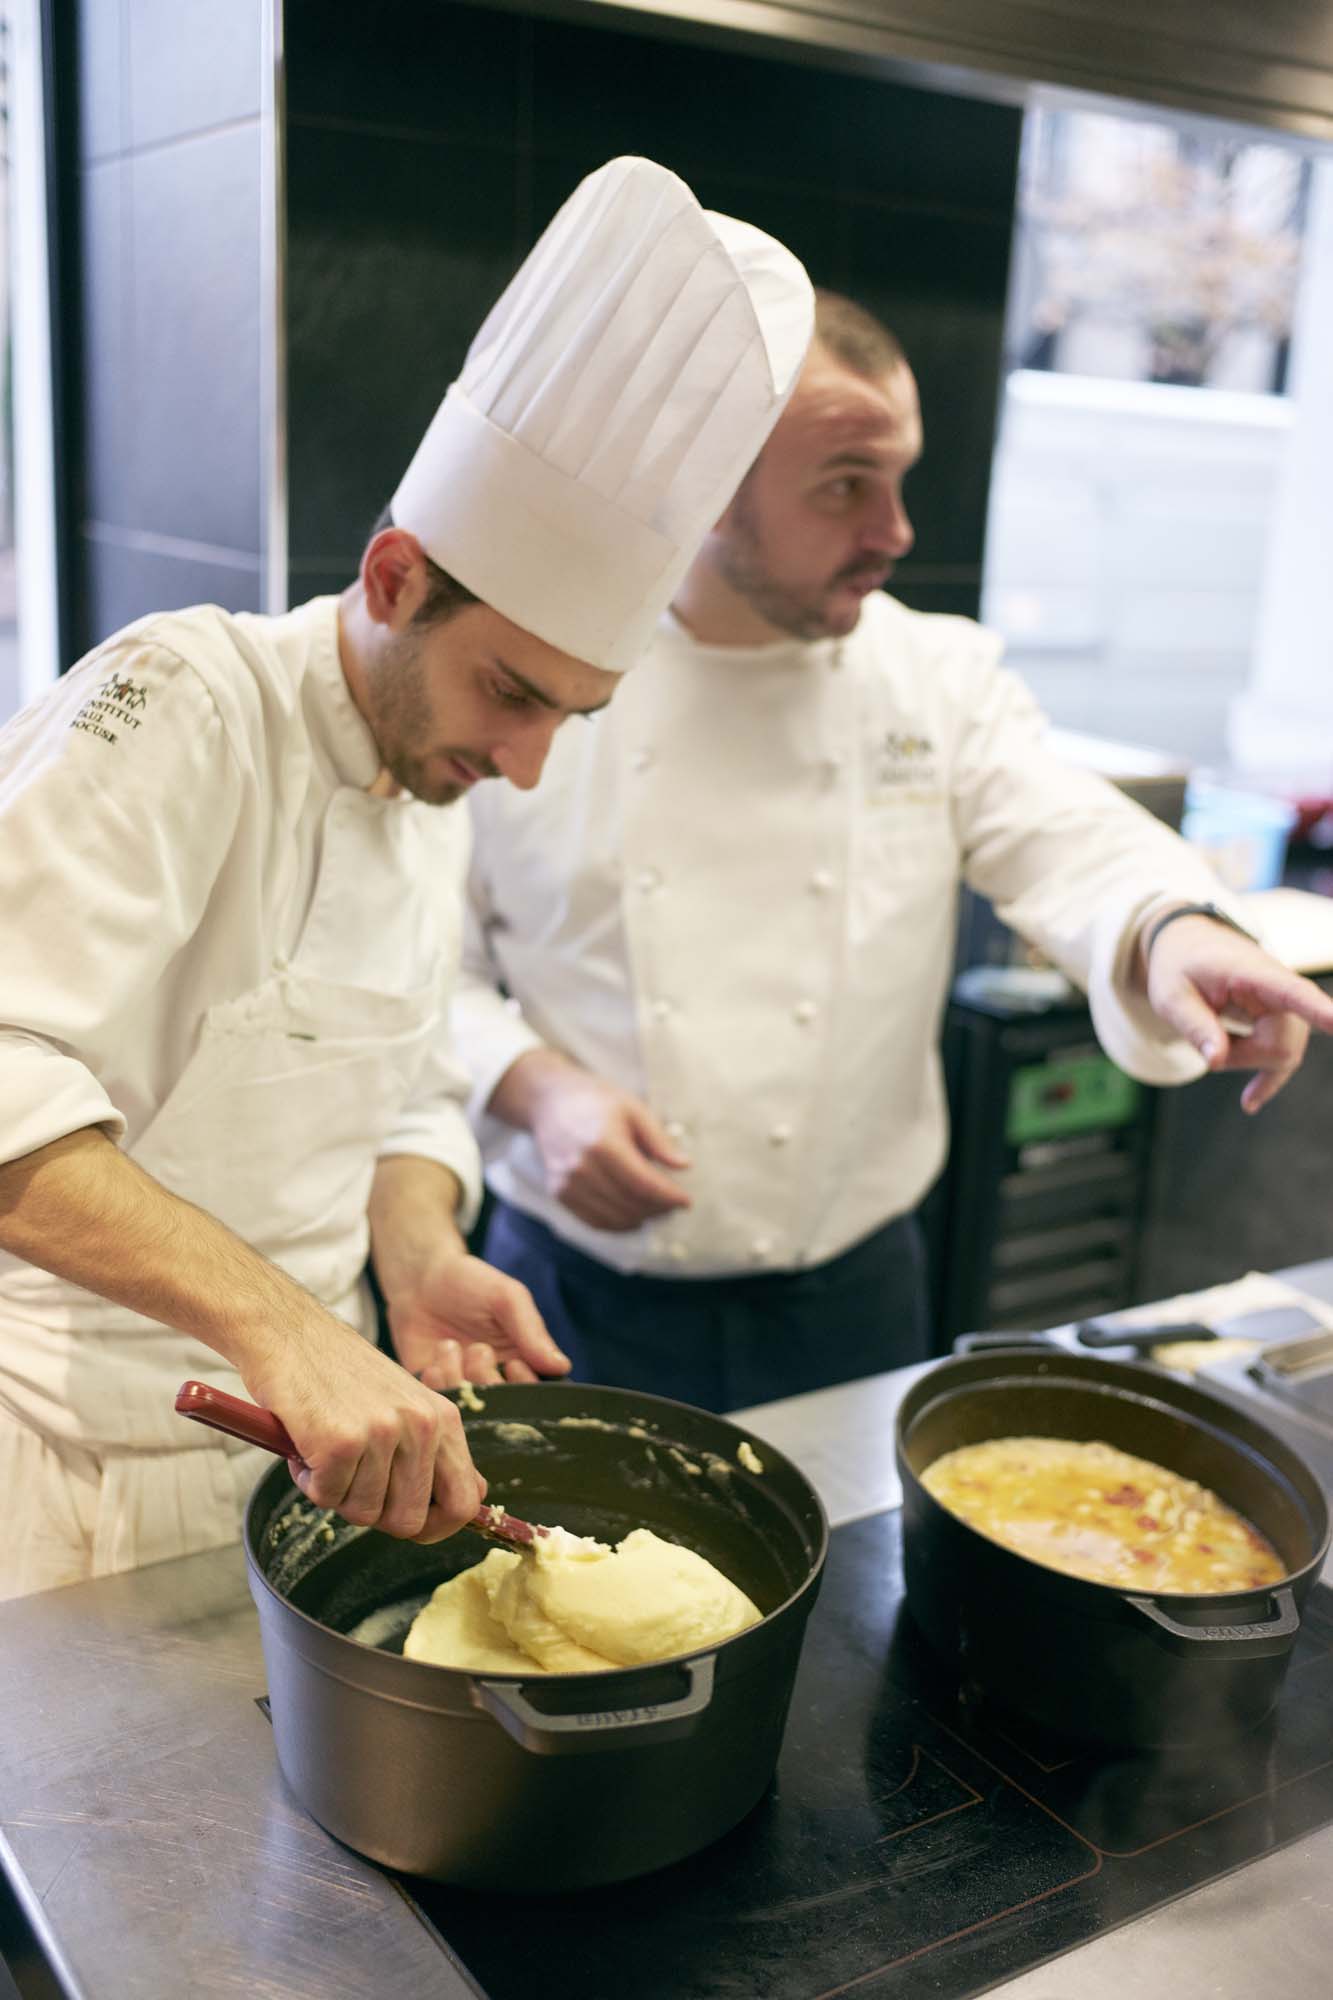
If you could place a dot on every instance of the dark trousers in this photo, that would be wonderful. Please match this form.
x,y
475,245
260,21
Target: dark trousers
x,y
724,1343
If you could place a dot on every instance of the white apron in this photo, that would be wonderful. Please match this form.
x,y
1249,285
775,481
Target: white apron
x,y
274,1127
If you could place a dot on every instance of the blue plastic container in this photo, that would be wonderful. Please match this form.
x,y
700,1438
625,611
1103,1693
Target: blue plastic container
x,y
1244,834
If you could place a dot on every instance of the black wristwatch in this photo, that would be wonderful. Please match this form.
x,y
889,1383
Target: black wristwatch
x,y
1193,910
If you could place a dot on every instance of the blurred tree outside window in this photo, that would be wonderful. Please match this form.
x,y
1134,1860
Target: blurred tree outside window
x,y
1147,252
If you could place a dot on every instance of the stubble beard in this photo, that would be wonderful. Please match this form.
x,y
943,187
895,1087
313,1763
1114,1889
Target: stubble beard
x,y
401,716
745,569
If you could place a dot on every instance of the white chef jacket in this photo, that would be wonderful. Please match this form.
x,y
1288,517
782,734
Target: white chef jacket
x,y
215,939
734,894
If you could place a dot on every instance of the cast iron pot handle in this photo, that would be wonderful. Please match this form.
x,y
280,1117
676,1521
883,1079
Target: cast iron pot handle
x,y
598,1728
1253,1640
981,1343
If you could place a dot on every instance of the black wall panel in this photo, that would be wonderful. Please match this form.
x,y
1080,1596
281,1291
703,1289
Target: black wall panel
x,y
428,144
167,488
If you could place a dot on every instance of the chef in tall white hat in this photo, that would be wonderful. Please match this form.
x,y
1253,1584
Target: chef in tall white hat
x,y
233,915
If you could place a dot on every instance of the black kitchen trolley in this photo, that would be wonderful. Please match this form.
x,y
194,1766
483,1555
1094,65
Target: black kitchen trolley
x,y
1039,1216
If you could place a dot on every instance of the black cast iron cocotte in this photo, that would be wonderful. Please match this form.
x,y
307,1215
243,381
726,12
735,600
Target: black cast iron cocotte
x,y
1092,1660
553,1781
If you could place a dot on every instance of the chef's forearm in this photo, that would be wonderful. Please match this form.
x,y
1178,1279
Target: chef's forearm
x,y
413,1211
1153,920
84,1211
518,1094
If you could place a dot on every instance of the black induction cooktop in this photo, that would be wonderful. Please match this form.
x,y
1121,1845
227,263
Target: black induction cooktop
x,y
914,1842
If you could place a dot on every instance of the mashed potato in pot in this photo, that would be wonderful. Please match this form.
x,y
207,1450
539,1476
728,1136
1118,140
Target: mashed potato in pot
x,y
1096,1512
573,1606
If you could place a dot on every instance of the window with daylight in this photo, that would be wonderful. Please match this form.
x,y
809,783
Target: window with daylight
x,y
1153,337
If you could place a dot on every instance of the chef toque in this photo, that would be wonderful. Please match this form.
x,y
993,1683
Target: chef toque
x,y
607,410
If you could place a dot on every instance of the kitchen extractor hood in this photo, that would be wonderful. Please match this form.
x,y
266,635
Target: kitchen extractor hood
x,y
1269,65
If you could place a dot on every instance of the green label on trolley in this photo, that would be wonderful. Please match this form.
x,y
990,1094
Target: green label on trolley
x,y
1049,1100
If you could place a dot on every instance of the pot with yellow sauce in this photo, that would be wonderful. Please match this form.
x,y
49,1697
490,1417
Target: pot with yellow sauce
x,y
1115,1556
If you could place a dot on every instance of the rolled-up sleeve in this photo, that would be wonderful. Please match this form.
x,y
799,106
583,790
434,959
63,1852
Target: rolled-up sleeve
x,y
47,1092
433,1125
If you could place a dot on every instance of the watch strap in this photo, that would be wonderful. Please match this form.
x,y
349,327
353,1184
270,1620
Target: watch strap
x,y
1219,916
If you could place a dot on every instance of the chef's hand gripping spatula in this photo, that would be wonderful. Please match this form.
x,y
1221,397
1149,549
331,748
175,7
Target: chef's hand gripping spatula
x,y
206,1405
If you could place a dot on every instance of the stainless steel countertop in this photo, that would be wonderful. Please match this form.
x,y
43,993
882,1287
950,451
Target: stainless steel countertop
x,y
156,1852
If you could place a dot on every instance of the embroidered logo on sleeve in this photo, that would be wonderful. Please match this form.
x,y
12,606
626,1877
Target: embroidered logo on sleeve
x,y
114,708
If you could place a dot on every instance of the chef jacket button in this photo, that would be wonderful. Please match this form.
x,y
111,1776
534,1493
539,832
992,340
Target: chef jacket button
x,y
679,1253
641,760
761,1248
779,1135
804,1011
832,765
661,1010
821,881
674,1129
649,878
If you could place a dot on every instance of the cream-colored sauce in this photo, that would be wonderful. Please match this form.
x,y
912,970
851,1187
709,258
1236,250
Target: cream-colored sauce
x,y
573,1605
1096,1512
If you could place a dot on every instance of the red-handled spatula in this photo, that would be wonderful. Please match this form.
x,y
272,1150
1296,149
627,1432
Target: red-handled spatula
x,y
240,1419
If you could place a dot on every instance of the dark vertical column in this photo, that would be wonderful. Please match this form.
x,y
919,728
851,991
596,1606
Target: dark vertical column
x,y
173,288
59,40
